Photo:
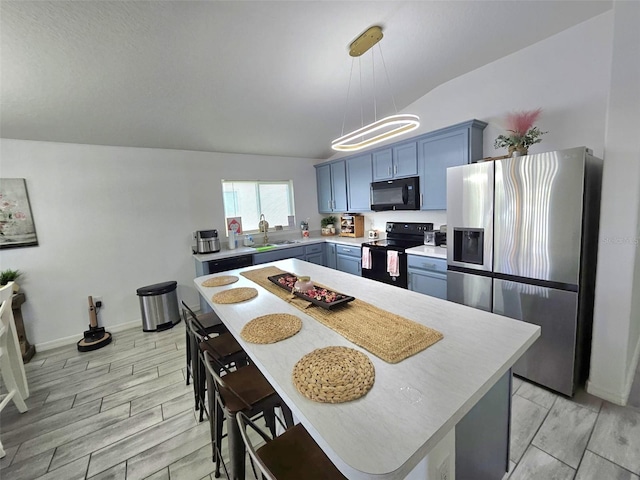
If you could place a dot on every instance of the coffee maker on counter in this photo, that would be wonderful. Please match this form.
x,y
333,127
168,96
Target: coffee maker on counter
x,y
205,241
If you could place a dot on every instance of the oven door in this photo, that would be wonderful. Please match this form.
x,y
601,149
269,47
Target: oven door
x,y
378,270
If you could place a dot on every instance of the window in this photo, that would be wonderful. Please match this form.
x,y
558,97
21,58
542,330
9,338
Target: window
x,y
249,199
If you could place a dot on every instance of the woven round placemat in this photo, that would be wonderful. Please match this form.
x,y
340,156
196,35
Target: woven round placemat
x,y
333,375
220,281
271,328
235,295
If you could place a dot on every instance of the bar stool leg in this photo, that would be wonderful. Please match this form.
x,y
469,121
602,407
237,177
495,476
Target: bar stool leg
x,y
201,386
288,416
270,420
189,366
236,448
219,419
195,372
213,416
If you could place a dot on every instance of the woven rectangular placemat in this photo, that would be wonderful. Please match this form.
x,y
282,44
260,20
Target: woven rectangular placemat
x,y
388,336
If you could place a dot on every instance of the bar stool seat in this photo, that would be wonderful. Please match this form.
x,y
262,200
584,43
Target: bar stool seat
x,y
211,323
243,390
227,352
223,347
290,456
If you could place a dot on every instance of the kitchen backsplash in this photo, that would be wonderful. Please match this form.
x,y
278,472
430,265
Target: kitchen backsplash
x,y
378,220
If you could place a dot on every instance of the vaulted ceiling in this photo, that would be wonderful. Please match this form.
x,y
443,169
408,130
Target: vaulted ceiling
x,y
265,77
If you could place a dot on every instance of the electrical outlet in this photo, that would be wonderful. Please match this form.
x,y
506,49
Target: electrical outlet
x,y
443,470
97,301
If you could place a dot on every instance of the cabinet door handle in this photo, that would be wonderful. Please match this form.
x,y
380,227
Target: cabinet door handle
x,y
389,170
346,250
329,204
429,265
395,169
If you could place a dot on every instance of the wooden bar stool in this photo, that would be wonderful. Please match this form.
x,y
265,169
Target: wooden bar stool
x,y
243,390
291,456
223,347
211,323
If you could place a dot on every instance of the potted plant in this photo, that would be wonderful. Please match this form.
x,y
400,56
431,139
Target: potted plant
x,y
328,225
522,133
9,275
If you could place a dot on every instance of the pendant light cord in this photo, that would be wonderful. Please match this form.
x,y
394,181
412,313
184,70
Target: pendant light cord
x,y
361,99
388,82
373,77
375,100
346,108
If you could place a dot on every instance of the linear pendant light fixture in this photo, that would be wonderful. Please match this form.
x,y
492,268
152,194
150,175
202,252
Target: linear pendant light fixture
x,y
379,130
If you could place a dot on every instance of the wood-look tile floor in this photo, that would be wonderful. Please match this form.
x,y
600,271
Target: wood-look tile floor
x,y
124,412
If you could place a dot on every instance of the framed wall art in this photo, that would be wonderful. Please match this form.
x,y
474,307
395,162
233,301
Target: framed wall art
x,y
17,228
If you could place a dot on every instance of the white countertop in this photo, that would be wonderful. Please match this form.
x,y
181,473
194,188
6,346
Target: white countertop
x,y
413,404
428,251
236,252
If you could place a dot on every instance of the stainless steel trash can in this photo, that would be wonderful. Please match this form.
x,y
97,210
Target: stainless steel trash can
x,y
159,306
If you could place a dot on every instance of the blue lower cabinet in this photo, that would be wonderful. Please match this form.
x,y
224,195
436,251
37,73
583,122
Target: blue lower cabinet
x,y
347,264
348,259
428,283
316,258
330,255
427,275
278,254
314,253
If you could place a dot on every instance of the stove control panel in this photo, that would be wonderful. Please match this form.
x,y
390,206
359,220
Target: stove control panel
x,y
408,228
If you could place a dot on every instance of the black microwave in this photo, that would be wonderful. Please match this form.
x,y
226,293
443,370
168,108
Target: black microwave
x,y
397,194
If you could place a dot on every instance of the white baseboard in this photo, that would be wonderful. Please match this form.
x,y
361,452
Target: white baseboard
x,y
614,397
63,342
620,397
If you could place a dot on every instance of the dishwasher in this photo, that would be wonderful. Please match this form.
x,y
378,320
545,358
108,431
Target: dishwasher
x,y
221,265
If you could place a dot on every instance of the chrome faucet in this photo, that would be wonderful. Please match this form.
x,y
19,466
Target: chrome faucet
x,y
263,226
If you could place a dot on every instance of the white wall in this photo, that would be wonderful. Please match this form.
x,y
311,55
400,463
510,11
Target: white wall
x,y
616,336
588,83
110,220
567,75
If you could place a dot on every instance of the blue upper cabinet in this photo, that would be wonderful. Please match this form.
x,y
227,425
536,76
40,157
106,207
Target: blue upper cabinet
x,y
339,184
344,185
359,183
396,161
437,151
332,187
405,159
323,180
382,164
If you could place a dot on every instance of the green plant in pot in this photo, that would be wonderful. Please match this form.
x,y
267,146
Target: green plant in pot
x,y
328,225
522,133
9,275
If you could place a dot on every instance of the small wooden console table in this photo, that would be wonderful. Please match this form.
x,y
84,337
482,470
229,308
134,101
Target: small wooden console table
x,y
26,348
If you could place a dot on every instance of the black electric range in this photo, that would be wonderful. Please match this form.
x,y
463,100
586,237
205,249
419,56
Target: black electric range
x,y
400,236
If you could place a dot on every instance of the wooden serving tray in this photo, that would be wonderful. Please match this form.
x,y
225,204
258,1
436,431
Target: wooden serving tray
x,y
322,297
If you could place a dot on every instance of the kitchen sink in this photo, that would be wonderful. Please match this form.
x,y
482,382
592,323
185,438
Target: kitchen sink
x,y
279,243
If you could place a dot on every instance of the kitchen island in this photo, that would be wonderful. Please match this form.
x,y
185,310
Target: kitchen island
x,y
405,426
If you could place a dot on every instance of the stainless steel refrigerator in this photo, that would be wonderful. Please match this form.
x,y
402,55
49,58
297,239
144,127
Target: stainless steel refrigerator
x,y
522,242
